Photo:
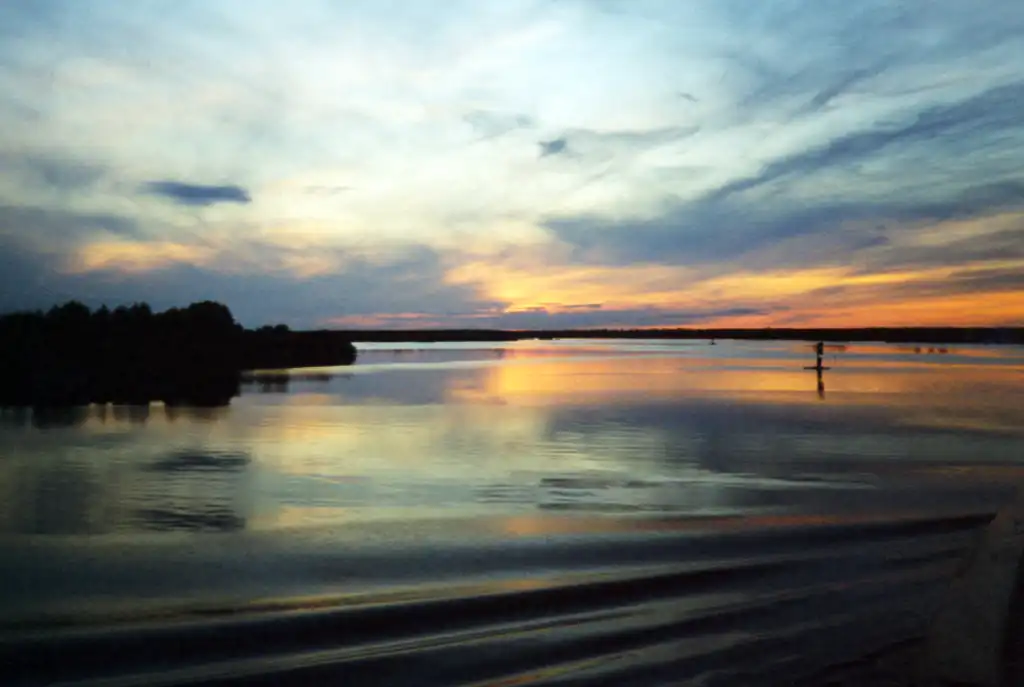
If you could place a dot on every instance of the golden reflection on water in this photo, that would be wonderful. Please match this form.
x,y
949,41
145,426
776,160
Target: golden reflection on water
x,y
537,435
957,395
533,526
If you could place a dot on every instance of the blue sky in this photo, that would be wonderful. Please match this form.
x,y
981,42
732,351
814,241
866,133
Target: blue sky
x,y
517,163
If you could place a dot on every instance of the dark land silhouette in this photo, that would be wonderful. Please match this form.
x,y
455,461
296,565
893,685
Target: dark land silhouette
x,y
195,356
72,356
926,335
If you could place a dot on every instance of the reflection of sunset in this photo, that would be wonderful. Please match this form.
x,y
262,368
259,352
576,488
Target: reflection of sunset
x,y
607,379
357,440
953,396
555,436
533,526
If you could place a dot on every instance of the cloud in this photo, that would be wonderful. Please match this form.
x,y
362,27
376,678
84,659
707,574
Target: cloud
x,y
628,317
138,256
990,112
826,94
542,318
50,172
198,194
553,147
599,146
717,228
933,284
888,143
53,229
869,47
993,240
242,276
489,124
632,138
323,190
954,158
26,279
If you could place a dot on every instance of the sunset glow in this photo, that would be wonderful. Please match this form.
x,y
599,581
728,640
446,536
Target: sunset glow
x,y
517,164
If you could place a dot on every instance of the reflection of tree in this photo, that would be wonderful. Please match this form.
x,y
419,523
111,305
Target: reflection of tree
x,y
85,483
57,496
280,382
273,385
47,418
136,414
194,490
213,518
15,417
183,461
195,413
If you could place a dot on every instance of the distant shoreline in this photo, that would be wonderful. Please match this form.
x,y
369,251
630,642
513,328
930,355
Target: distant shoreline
x,y
905,335
71,355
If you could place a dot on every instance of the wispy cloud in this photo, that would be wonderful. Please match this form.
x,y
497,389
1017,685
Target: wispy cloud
x,y
51,172
198,194
553,147
491,124
840,188
51,229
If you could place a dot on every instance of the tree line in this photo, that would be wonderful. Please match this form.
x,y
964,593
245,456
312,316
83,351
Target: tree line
x,y
71,355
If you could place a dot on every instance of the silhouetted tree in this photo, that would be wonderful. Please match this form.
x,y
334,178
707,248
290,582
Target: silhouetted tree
x,y
71,356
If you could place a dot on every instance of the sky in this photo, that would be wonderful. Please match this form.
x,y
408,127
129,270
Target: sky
x,y
517,163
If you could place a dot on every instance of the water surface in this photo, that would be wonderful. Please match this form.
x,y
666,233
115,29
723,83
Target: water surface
x,y
528,430
457,472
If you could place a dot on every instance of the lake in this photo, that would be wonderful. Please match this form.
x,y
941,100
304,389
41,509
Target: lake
x,y
519,465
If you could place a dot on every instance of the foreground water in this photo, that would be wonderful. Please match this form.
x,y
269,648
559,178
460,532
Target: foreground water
x,y
442,471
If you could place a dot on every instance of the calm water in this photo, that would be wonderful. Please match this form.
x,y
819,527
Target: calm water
x,y
650,509
532,430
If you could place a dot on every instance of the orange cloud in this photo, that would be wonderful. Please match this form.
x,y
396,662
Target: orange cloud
x,y
309,264
137,256
555,286
828,296
301,260
968,310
